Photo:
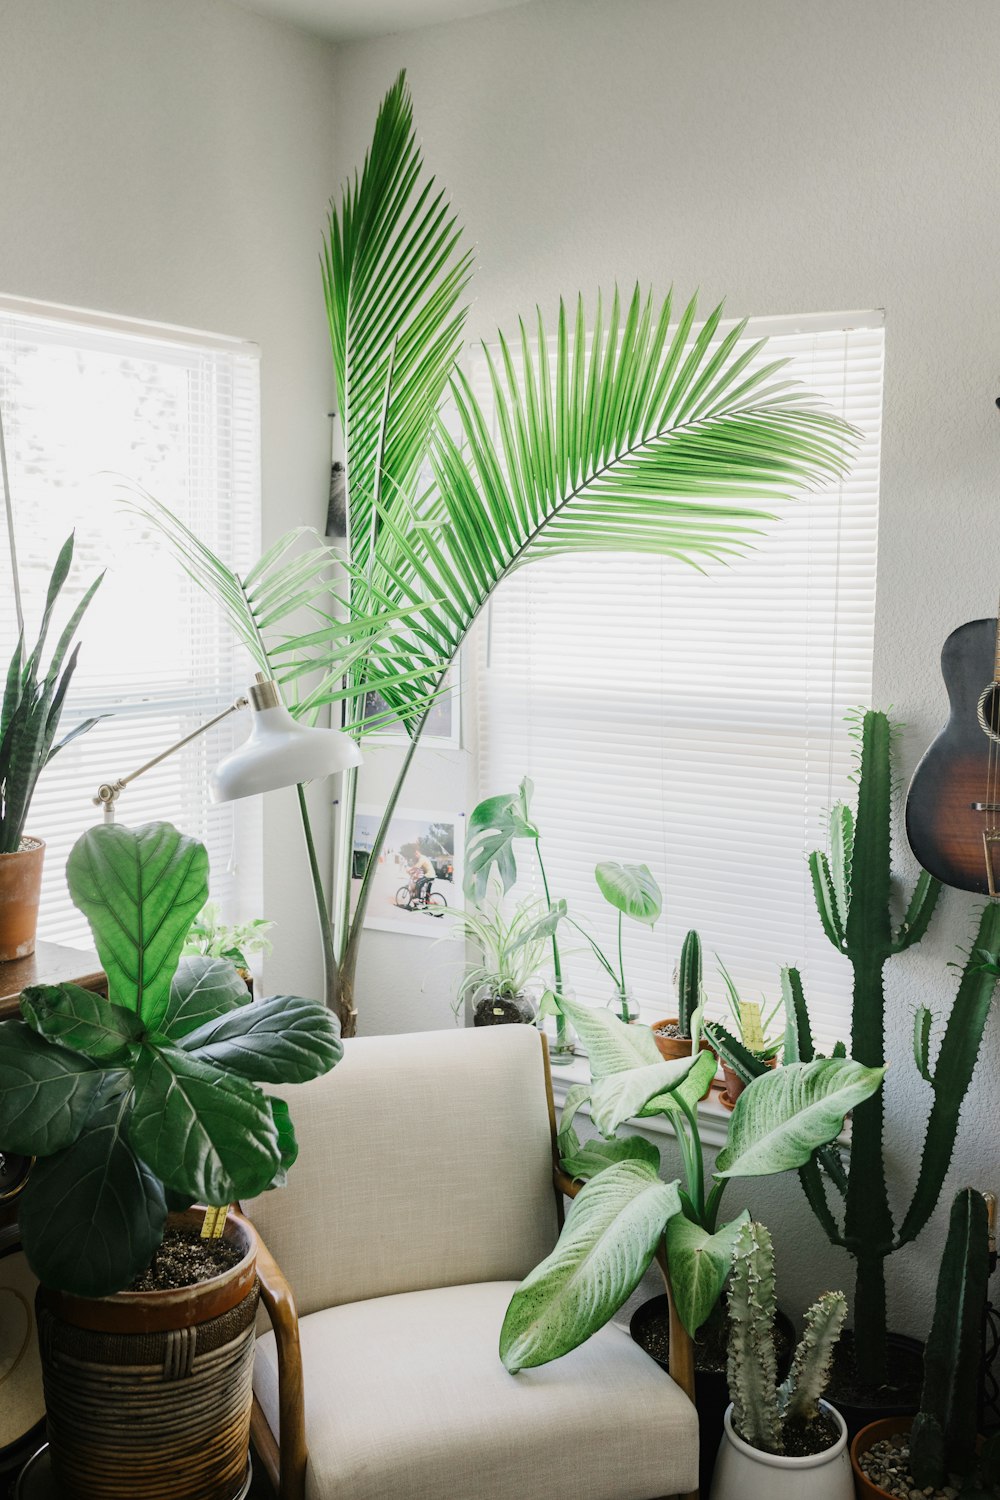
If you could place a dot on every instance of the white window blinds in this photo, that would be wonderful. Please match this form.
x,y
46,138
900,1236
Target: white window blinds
x,y
92,407
696,721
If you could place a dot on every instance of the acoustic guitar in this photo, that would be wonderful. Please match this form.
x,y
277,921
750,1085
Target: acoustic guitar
x,y
953,805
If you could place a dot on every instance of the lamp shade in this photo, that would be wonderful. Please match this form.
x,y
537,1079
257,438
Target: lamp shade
x,y
279,752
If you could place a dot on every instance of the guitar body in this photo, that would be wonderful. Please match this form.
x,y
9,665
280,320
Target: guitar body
x,y
954,797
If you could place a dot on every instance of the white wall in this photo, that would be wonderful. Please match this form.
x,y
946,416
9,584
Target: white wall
x,y
173,161
796,156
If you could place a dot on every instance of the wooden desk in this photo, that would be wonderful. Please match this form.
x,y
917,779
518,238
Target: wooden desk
x,y
50,963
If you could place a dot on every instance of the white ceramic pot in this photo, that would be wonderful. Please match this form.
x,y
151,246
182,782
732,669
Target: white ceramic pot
x,y
744,1473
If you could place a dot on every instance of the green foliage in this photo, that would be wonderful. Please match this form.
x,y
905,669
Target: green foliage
x,y
852,885
761,1409
753,1025
689,982
631,889
943,1438
209,936
510,951
779,1122
32,705
151,1097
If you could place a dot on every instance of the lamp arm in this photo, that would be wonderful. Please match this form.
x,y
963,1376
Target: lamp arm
x,y
109,791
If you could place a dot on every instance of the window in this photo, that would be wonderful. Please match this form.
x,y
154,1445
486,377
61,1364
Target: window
x,y
696,722
92,407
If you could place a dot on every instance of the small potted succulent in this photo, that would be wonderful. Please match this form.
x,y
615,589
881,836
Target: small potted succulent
x,y
210,937
33,701
136,1108
753,1029
502,983
780,1441
937,1452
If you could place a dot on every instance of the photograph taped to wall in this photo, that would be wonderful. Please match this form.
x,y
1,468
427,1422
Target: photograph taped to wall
x,y
419,873
443,730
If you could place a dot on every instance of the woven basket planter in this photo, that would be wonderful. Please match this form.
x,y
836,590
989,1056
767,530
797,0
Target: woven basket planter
x,y
149,1393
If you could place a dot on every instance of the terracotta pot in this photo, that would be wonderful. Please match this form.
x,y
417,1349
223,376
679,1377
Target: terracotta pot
x,y
673,1047
20,891
735,1085
867,1438
149,1393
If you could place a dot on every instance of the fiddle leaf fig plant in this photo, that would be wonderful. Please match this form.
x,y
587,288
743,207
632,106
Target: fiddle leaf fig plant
x,y
624,1210
148,1100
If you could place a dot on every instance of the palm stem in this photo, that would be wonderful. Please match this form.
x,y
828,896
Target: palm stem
x,y
330,965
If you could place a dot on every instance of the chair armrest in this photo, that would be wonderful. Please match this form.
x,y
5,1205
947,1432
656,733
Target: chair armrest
x,y
279,1303
681,1356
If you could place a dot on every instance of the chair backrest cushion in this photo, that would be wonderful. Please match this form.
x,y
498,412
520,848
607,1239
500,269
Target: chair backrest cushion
x,y
424,1160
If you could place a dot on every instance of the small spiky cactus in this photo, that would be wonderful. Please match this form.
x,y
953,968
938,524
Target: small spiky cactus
x,y
689,983
761,1409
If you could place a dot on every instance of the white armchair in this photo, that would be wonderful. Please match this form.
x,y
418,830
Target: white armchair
x,y
422,1195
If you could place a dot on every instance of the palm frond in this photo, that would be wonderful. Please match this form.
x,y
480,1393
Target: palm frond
x,y
646,435
393,276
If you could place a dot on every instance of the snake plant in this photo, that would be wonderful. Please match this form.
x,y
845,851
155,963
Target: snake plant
x,y
623,423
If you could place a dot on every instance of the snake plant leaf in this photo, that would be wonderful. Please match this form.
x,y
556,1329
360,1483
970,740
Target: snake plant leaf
x,y
781,1118
109,1206
493,828
84,1022
201,990
47,1092
140,889
202,1132
612,1046
699,1265
287,1143
590,1157
611,1232
630,889
621,1096
286,1039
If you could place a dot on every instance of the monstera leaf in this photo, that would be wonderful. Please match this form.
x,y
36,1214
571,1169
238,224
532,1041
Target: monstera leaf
x,y
630,889
607,1243
140,889
493,827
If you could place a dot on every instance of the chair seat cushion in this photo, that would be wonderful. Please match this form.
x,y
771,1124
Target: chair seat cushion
x,y
405,1397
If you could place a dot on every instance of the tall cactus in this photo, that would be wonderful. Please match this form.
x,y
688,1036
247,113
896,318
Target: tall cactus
x,y
852,888
689,979
943,1439
761,1409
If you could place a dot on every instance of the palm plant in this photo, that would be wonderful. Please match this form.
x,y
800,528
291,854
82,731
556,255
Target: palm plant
x,y
637,428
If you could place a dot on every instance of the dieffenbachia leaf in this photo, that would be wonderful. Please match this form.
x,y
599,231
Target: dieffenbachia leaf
x,y
612,1046
621,1096
630,889
699,1264
781,1118
201,990
282,1040
108,1206
202,1132
140,889
606,1245
689,1091
84,1022
46,1092
587,1158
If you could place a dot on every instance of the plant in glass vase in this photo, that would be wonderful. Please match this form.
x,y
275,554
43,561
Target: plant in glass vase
x,y
503,981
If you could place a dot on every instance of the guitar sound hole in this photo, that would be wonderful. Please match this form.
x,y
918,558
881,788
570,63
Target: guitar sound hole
x,y
989,711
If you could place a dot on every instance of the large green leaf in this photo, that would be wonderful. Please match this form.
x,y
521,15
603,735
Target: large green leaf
x,y
140,889
494,826
84,1022
92,1216
282,1040
630,889
583,1160
612,1046
606,1245
781,1119
203,1133
288,1146
201,990
699,1264
621,1096
46,1092
688,1092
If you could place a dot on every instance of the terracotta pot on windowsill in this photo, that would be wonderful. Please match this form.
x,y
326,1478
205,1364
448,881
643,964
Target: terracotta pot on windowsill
x,y
20,891
674,1047
735,1085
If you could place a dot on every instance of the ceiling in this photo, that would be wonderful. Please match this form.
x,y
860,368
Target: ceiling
x,y
348,20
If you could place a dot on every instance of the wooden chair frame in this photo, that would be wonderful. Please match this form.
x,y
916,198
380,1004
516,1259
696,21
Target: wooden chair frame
x,y
284,1455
